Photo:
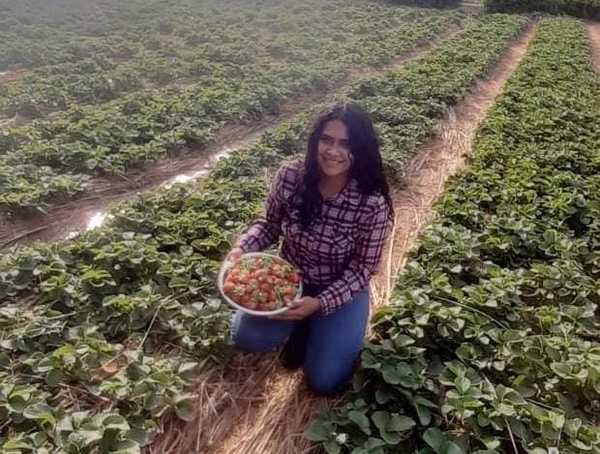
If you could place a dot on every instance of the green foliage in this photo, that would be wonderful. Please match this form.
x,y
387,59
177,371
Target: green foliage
x,y
123,312
229,66
491,343
428,3
589,9
405,103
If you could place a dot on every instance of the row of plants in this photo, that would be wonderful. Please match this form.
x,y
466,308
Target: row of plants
x,y
406,107
147,125
101,333
429,3
229,50
491,342
406,103
36,33
589,9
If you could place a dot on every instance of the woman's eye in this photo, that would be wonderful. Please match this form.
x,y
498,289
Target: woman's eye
x,y
327,140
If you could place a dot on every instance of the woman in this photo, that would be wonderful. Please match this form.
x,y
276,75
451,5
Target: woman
x,y
333,212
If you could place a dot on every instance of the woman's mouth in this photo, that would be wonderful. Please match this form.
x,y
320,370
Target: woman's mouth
x,y
333,161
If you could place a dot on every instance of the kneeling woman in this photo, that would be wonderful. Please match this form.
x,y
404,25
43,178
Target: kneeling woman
x,y
333,211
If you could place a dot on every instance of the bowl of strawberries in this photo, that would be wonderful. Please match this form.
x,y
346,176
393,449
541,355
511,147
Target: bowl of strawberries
x,y
259,284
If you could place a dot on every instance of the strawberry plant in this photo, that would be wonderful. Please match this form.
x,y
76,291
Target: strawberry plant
x,y
491,341
173,95
111,322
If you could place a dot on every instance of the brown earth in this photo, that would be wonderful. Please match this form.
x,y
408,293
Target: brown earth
x,y
593,29
252,405
9,76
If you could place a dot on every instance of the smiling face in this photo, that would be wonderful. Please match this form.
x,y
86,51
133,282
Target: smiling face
x,y
334,154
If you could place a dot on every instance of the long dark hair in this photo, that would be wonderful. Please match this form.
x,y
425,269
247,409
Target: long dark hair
x,y
367,166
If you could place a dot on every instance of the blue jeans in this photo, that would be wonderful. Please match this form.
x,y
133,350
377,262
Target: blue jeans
x,y
333,344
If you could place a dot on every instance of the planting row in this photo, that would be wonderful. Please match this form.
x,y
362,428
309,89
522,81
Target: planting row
x,y
230,47
52,157
581,8
101,333
404,105
492,341
37,33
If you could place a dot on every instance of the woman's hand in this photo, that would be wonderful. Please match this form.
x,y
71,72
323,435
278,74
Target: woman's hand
x,y
234,254
299,309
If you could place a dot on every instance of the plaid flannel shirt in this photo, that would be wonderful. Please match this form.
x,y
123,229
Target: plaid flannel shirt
x,y
339,251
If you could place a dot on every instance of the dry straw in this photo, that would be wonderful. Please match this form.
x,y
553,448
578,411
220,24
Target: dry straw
x,y
251,405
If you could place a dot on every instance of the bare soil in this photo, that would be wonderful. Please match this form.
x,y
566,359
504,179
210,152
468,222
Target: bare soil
x,y
78,214
593,29
273,406
9,76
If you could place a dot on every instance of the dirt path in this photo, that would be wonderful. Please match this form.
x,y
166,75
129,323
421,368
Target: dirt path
x,y
264,409
9,76
593,29
88,210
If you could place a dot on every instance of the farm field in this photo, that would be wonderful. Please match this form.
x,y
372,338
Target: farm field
x,y
180,87
490,340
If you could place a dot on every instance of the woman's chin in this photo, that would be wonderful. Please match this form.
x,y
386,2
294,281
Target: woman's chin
x,y
333,171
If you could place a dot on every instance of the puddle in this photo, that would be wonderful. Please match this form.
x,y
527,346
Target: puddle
x,y
189,177
91,219
96,220
67,220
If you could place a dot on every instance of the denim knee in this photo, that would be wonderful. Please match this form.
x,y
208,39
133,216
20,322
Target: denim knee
x,y
252,343
325,384
256,335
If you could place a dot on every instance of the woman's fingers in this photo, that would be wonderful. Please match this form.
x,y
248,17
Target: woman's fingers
x,y
294,312
234,255
300,308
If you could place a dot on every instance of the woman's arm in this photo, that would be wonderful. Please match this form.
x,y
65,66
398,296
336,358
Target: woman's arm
x,y
266,230
364,262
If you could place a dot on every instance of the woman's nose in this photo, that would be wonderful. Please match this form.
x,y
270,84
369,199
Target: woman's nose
x,y
337,149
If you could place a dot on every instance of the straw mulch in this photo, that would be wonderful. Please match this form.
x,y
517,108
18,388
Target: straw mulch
x,y
252,406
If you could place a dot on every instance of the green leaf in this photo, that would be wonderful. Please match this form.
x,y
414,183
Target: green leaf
x,y
317,431
435,438
116,422
42,413
184,406
392,425
55,377
399,423
331,447
187,370
360,418
424,415
440,443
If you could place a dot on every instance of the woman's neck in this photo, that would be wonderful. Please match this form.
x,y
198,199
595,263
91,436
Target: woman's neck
x,y
331,185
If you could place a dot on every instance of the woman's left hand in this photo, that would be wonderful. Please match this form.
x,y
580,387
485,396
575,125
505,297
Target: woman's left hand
x,y
299,309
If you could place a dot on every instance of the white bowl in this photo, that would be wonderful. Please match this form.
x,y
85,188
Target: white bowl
x,y
227,265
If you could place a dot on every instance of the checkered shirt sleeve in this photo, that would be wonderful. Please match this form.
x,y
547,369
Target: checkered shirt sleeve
x,y
266,230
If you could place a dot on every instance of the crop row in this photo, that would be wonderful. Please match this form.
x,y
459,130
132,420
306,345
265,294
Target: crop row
x,y
406,114
37,33
492,341
238,49
52,157
589,9
100,333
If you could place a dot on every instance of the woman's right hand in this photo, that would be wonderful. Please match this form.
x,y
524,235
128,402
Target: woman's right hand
x,y
234,254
